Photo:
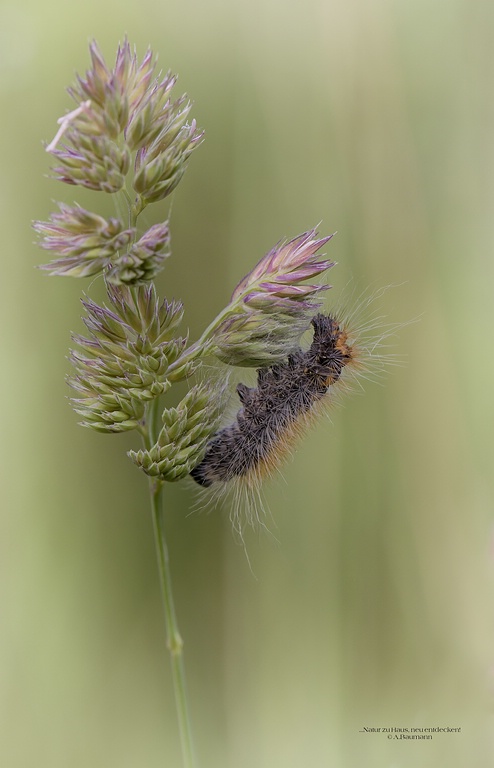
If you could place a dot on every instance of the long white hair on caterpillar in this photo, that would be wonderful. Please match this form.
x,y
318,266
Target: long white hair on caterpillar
x,y
347,346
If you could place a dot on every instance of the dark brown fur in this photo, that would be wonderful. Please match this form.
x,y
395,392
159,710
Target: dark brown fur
x,y
284,393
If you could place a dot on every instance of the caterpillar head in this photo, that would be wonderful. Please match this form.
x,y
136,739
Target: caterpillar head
x,y
330,351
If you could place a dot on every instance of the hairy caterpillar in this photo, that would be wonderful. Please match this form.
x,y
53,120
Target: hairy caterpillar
x,y
273,413
348,345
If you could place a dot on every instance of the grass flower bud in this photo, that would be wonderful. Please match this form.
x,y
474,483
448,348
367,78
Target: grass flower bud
x,y
257,339
144,259
91,245
160,166
270,308
91,161
186,430
280,272
125,359
108,412
119,112
87,243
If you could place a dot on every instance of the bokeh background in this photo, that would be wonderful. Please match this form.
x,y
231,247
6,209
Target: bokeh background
x,y
369,602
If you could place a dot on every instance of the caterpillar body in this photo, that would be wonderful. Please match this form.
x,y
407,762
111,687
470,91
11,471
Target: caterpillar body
x,y
277,410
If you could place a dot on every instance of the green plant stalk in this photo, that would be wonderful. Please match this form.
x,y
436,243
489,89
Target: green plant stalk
x,y
175,643
203,345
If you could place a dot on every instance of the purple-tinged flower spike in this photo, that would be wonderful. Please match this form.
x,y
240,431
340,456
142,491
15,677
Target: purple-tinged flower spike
x,y
90,158
271,307
120,111
87,243
276,278
160,165
144,259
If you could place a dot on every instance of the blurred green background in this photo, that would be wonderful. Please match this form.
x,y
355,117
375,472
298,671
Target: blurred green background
x,y
371,603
